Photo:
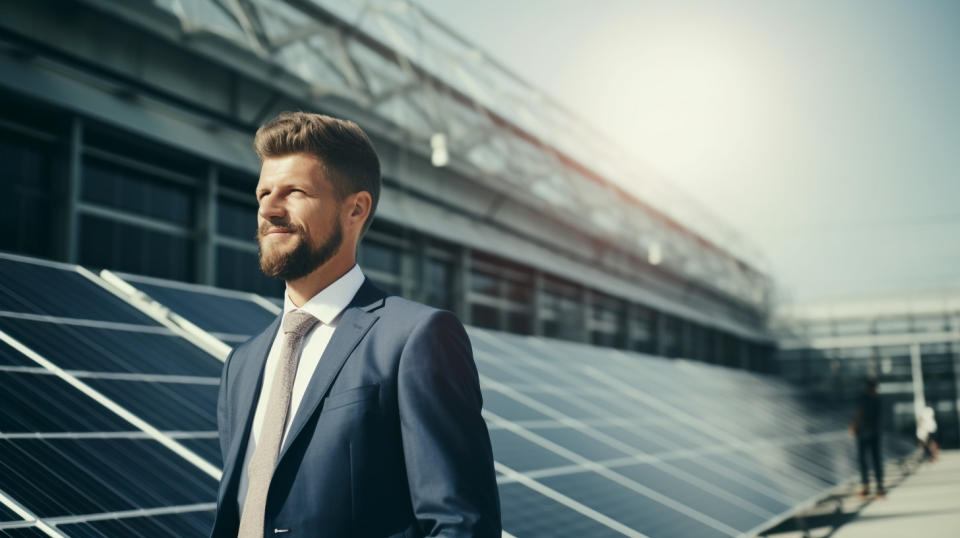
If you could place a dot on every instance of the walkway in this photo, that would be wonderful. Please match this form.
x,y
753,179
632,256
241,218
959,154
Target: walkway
x,y
922,502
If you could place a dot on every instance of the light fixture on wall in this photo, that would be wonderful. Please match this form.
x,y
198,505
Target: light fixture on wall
x,y
654,254
439,156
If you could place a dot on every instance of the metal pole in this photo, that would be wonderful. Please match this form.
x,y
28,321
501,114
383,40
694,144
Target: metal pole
x,y
206,248
71,223
916,371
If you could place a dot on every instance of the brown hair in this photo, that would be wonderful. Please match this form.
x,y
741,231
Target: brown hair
x,y
346,152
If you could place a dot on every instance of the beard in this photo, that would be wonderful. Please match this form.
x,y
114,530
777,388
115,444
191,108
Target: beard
x,y
304,258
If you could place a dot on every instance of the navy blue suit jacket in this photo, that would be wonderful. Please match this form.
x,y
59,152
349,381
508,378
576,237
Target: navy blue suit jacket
x,y
388,439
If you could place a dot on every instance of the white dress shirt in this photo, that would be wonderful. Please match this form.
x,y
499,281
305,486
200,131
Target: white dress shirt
x,y
326,306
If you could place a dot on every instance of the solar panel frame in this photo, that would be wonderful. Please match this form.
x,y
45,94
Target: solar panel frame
x,y
227,314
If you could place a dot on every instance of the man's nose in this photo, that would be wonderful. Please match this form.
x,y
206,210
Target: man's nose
x,y
271,207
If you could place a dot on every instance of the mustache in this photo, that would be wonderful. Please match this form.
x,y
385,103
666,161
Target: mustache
x,y
268,227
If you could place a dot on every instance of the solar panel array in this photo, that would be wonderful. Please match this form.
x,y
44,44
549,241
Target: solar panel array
x,y
101,407
108,424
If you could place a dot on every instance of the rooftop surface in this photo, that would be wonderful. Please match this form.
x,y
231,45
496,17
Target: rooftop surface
x,y
922,500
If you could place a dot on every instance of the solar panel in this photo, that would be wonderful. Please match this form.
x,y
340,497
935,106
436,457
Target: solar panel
x,y
144,349
185,524
23,532
588,441
167,405
6,514
101,406
10,357
207,447
39,402
230,315
527,514
61,290
57,477
645,446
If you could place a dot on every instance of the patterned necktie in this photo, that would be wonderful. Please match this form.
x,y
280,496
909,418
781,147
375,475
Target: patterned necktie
x,y
296,324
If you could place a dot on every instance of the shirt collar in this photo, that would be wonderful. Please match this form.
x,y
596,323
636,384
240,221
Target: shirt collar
x,y
327,305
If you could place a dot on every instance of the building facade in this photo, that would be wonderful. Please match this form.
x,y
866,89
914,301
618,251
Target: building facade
x,y
125,143
909,343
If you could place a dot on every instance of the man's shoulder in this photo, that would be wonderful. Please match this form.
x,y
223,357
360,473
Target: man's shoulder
x,y
394,305
405,314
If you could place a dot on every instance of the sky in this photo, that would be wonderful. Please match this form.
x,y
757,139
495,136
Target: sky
x,y
827,133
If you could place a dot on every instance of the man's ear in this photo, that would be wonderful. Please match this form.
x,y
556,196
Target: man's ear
x,y
359,204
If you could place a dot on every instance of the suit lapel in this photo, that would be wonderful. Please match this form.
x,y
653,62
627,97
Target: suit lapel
x,y
355,321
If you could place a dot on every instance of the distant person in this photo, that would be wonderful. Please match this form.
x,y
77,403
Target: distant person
x,y
867,428
355,413
926,428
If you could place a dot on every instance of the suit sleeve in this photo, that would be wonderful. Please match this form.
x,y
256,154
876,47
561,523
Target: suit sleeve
x,y
446,446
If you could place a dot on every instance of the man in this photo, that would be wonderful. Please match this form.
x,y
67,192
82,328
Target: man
x,y
867,428
354,413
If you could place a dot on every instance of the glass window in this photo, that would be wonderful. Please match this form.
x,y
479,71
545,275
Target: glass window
x,y
818,328
484,316
238,181
236,219
709,345
379,257
931,323
606,321
844,327
115,245
518,292
671,336
240,270
892,325
107,139
113,186
484,283
599,338
641,330
437,279
519,322
560,311
26,213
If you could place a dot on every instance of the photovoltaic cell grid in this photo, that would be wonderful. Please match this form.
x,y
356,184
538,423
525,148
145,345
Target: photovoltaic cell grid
x,y
232,316
587,441
68,459
628,444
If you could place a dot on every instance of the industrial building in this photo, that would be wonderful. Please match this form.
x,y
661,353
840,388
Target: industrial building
x,y
908,342
126,132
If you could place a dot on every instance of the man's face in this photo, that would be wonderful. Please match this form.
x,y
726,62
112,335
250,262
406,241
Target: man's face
x,y
298,223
